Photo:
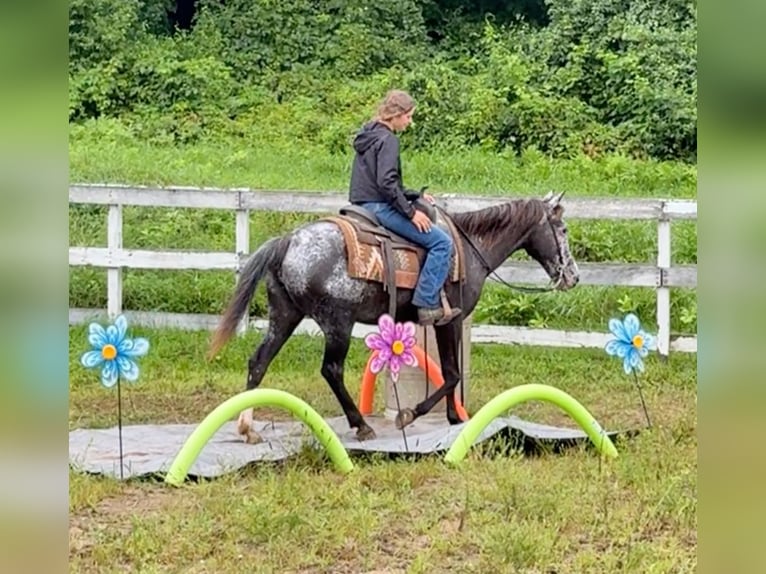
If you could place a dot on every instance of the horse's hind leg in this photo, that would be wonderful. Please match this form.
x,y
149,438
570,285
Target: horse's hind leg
x,y
283,319
337,334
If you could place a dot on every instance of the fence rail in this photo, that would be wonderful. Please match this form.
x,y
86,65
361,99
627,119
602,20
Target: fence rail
x,y
324,202
662,276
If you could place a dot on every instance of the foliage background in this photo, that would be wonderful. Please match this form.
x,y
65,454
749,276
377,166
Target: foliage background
x,y
563,76
596,97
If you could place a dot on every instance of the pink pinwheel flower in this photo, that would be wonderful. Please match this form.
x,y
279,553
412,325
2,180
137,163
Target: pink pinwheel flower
x,y
394,346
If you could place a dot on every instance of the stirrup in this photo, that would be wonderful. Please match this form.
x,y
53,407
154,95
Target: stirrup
x,y
437,316
453,314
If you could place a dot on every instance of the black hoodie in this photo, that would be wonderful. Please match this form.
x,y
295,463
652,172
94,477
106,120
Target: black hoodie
x,y
376,174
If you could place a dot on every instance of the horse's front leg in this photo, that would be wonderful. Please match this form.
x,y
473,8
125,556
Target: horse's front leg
x,y
452,416
446,340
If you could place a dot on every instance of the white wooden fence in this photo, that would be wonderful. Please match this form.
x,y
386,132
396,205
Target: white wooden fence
x,y
662,276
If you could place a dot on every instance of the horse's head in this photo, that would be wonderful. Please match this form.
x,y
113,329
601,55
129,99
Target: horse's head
x,y
548,244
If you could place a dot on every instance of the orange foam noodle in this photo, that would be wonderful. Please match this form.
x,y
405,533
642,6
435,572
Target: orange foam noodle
x,y
367,391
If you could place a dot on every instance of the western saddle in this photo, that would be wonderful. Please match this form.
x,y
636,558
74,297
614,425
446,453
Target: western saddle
x,y
378,254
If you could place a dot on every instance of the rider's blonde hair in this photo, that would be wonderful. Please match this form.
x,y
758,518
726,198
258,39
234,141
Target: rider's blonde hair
x,y
396,103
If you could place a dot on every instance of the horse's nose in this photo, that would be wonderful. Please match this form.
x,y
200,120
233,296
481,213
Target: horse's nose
x,y
575,280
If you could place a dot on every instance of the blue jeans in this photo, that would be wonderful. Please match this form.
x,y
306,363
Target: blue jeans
x,y
437,243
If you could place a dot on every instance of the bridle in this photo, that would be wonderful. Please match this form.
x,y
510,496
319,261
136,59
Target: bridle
x,y
491,272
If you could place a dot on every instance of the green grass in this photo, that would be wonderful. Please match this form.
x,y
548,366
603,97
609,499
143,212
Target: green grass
x,y
566,513
107,151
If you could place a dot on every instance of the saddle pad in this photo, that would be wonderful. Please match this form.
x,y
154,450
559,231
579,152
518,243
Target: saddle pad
x,y
365,260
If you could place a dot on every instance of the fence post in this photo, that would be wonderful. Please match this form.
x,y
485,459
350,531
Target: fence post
x,y
663,291
242,247
114,273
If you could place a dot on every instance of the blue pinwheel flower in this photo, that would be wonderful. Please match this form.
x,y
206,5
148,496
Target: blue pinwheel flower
x,y
115,351
631,342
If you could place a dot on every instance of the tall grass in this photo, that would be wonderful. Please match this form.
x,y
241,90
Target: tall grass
x,y
107,151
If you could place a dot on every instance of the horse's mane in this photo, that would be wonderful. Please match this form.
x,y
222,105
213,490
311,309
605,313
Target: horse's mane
x,y
493,222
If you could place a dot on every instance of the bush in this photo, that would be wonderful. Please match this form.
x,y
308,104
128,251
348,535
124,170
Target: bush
x,y
633,61
264,38
101,30
591,77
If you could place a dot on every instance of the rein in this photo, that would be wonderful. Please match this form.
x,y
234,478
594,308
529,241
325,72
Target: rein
x,y
491,271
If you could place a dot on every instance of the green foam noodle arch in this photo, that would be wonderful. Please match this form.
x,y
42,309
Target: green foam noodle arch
x,y
520,394
256,398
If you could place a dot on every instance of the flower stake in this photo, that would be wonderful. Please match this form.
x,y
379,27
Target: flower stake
x,y
631,344
115,354
393,347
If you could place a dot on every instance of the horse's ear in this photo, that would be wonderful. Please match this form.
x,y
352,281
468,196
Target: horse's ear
x,y
553,199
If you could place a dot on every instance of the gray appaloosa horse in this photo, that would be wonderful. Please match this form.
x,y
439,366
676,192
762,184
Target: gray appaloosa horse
x,y
305,273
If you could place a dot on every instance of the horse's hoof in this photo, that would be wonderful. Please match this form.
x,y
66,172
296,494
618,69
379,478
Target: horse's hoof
x,y
246,432
252,437
243,426
404,418
365,432
454,419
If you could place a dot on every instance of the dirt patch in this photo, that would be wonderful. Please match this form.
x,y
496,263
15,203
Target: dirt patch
x,y
115,513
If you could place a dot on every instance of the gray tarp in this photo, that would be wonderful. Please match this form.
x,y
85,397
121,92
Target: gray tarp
x,y
151,449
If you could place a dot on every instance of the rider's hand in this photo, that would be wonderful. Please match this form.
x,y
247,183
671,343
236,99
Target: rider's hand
x,y
421,221
429,198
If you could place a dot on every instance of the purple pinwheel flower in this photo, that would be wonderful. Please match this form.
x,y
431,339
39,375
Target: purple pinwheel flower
x,y
631,342
394,346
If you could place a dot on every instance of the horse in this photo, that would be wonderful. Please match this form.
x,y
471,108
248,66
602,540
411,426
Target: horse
x,y
306,275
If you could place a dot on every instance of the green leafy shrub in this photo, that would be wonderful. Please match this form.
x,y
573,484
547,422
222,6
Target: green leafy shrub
x,y
589,77
634,62
350,37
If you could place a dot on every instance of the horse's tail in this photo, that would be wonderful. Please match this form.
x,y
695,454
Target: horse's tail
x,y
264,259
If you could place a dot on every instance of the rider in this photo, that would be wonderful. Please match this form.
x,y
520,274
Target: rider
x,y
376,184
